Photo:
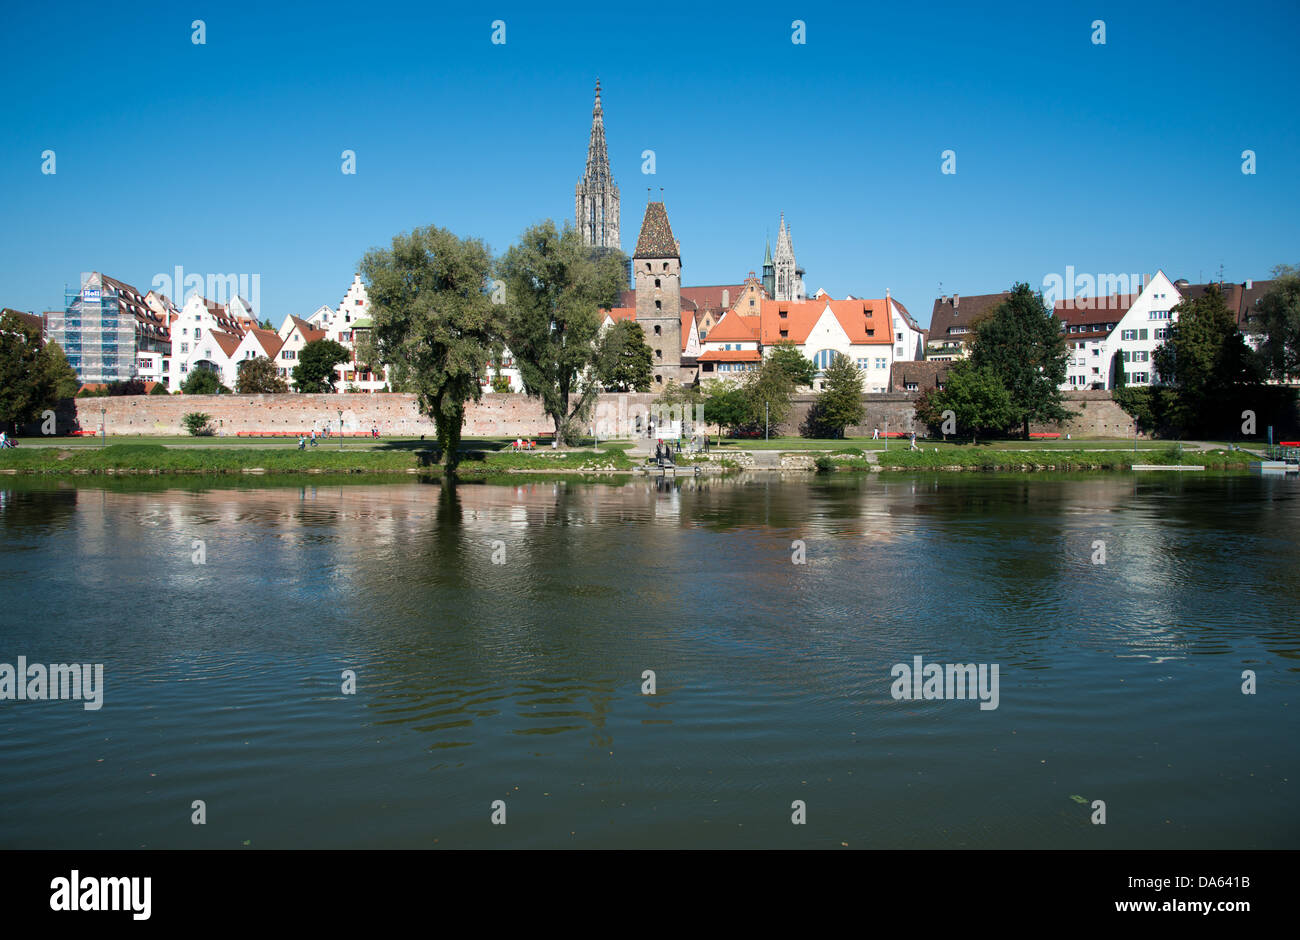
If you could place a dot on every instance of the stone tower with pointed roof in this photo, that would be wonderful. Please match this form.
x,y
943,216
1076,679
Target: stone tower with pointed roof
x,y
657,275
789,276
596,197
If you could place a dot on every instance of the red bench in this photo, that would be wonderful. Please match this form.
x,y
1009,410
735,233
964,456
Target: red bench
x,y
1044,434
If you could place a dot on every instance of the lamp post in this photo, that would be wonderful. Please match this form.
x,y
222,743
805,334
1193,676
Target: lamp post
x,y
103,426
340,430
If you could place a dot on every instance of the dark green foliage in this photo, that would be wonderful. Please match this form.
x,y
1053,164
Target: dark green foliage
x,y
259,376
623,360
198,424
555,289
840,402
314,372
1021,344
203,382
801,370
1214,374
435,321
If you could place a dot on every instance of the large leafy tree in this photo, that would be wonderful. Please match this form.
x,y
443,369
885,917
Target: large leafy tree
x,y
978,399
840,401
623,359
555,289
725,405
258,376
203,382
1021,343
768,391
57,374
32,377
315,369
1276,320
801,369
1206,360
434,319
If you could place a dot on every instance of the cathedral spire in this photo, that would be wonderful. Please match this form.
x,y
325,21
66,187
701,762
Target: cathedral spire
x,y
596,197
597,154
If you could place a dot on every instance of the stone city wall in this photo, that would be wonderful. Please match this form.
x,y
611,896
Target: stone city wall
x,y
497,415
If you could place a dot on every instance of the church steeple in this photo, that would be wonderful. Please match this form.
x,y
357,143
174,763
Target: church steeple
x,y
789,276
596,205
769,272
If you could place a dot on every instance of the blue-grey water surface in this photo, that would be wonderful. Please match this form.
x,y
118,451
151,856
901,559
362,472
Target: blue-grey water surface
x,y
522,681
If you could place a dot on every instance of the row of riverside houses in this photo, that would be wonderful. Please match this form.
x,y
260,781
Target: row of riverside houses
x,y
702,334
111,332
1106,336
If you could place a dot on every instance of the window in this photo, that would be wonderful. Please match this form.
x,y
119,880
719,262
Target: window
x,y
1142,333
1158,315
880,363
185,367
658,305
659,329
1125,355
864,364
1096,350
1141,356
823,358
1128,334
185,347
910,386
659,353
1162,332
656,282
1141,378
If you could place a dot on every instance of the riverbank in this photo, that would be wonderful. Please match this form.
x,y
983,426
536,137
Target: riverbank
x,y
142,458
988,459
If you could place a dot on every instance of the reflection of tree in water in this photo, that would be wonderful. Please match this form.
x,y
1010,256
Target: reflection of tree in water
x,y
37,510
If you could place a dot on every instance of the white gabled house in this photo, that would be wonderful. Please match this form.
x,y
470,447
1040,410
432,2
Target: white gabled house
x,y
203,337
1131,346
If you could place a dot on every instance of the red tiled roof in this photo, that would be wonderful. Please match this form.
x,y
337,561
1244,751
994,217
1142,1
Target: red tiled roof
x,y
731,355
797,319
732,327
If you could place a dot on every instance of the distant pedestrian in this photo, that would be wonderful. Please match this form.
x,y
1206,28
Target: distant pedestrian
x,y
914,447
302,442
875,434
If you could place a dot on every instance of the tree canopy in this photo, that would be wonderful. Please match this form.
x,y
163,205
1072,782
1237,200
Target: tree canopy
x,y
314,372
203,382
259,375
32,377
434,318
555,288
1021,344
1206,360
801,369
1276,321
623,359
840,402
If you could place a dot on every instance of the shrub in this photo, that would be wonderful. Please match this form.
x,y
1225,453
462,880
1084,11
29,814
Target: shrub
x,y
198,424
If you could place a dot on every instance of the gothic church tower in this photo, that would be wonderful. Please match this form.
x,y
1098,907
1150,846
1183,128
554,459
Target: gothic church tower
x,y
789,276
596,197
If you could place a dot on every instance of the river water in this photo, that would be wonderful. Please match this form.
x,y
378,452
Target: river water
x,y
500,637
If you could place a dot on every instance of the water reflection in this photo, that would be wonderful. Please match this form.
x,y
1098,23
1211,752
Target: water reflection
x,y
499,632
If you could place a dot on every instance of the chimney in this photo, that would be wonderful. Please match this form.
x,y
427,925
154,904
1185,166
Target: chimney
x,y
726,299
1249,284
956,301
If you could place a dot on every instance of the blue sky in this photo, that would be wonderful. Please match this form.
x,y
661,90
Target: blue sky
x,y
225,158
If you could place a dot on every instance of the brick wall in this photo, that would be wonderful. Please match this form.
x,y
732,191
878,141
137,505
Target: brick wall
x,y
495,416
394,414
